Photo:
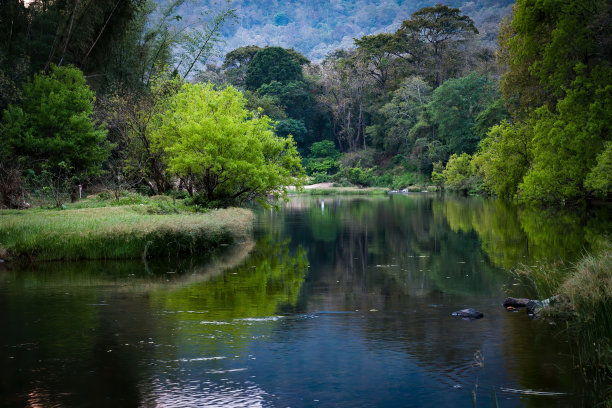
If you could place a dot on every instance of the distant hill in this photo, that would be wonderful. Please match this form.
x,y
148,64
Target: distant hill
x,y
317,27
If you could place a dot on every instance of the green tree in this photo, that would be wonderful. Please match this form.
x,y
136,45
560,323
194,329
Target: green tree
x,y
403,112
454,108
53,131
439,25
599,180
229,154
566,143
505,156
272,64
236,63
292,127
460,174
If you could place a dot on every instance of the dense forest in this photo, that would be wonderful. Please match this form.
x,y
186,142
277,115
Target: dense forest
x,y
132,95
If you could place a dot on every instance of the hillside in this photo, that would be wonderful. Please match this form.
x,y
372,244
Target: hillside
x,y
317,27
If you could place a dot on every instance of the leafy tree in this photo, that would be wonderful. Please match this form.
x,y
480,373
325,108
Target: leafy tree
x,y
460,174
378,52
505,156
439,25
403,112
292,96
558,91
323,159
272,64
292,127
229,154
236,63
53,132
566,143
454,108
493,115
599,180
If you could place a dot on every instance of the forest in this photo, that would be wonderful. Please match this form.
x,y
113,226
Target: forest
x,y
133,95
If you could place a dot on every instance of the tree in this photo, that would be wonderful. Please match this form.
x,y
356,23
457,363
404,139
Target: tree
x,y
505,156
272,64
460,174
454,108
403,112
229,155
53,132
438,26
557,87
599,180
236,63
378,51
344,79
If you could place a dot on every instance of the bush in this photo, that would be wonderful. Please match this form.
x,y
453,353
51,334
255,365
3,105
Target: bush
x,y
361,158
460,175
359,177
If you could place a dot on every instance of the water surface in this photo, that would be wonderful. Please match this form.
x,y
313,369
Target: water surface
x,y
339,302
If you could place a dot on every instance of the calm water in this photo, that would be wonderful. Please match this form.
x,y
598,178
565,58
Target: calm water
x,y
339,302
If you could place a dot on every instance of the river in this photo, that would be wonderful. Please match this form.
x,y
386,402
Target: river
x,y
340,301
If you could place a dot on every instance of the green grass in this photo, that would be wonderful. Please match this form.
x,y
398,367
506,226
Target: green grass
x,y
119,232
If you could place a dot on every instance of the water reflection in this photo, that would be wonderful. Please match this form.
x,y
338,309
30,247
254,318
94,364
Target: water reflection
x,y
342,301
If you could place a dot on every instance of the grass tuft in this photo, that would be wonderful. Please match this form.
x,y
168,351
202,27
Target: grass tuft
x,y
588,286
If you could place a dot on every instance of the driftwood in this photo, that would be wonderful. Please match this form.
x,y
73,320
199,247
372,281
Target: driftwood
x,y
516,302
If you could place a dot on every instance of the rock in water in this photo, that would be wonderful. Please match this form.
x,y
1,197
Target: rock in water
x,y
468,314
516,302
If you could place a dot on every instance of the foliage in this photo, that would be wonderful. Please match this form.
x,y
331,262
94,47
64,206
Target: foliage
x,y
558,91
599,179
236,63
438,26
322,161
272,64
454,108
293,128
492,115
226,152
362,177
53,130
566,143
460,174
505,157
402,113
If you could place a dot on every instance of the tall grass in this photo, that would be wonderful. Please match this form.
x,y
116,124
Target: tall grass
x,y
116,232
588,286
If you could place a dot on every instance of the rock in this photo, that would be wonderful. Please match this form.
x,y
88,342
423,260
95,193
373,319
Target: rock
x,y
516,302
468,314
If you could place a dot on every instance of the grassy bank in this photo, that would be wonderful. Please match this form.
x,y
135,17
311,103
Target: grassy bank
x,y
587,285
120,232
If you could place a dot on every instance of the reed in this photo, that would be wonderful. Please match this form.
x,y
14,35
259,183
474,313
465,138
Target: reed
x,y
121,232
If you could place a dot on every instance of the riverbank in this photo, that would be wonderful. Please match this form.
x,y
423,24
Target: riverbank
x,y
120,232
584,293
330,189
